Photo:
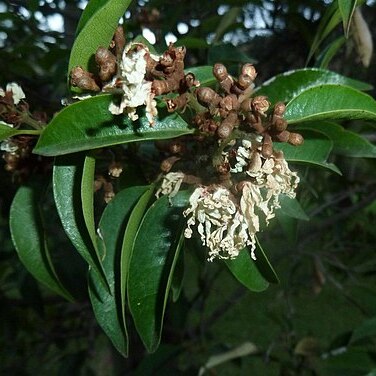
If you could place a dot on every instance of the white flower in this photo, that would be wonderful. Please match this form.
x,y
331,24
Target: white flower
x,y
8,146
16,90
222,227
170,184
136,90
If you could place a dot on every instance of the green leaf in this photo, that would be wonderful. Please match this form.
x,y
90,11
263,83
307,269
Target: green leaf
x,y
152,266
347,8
96,29
330,102
6,131
345,142
204,74
228,19
178,276
329,52
88,124
365,330
245,271
330,19
286,86
107,305
130,232
87,197
263,264
29,238
292,208
91,8
67,178
315,150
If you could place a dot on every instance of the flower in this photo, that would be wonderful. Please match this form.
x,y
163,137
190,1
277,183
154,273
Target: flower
x,y
222,227
9,146
16,90
170,184
136,90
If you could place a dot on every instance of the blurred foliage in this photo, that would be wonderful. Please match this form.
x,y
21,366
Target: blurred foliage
x,y
304,326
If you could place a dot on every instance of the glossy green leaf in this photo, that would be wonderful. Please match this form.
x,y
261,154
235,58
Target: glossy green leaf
x,y
329,52
245,271
87,197
228,19
330,19
204,74
286,86
129,237
96,29
107,305
6,131
292,208
67,178
347,8
178,275
152,266
330,102
29,238
88,124
263,264
345,142
315,150
365,330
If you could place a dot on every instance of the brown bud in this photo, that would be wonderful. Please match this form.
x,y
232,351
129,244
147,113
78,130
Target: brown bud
x,y
178,102
224,130
83,79
249,70
279,109
106,62
283,136
221,74
223,168
190,80
260,104
119,39
207,96
246,105
167,164
279,124
229,102
267,146
244,81
295,139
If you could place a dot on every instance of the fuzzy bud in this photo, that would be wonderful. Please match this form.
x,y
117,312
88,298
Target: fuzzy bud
x,y
250,71
295,139
107,63
279,125
260,104
167,164
279,109
283,136
83,79
224,130
207,96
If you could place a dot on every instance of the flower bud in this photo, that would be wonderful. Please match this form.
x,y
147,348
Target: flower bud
x,y
250,71
260,104
279,109
207,96
295,139
83,79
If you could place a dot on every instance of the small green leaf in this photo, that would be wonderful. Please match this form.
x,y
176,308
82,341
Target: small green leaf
x,y
96,29
227,53
245,271
292,208
345,142
67,178
152,266
88,124
330,102
330,19
129,237
286,86
315,150
107,305
29,238
329,52
347,8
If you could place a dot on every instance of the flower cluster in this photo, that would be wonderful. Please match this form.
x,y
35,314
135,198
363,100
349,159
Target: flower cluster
x,y
239,177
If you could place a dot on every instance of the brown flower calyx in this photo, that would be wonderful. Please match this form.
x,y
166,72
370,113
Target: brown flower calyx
x,y
83,80
107,64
